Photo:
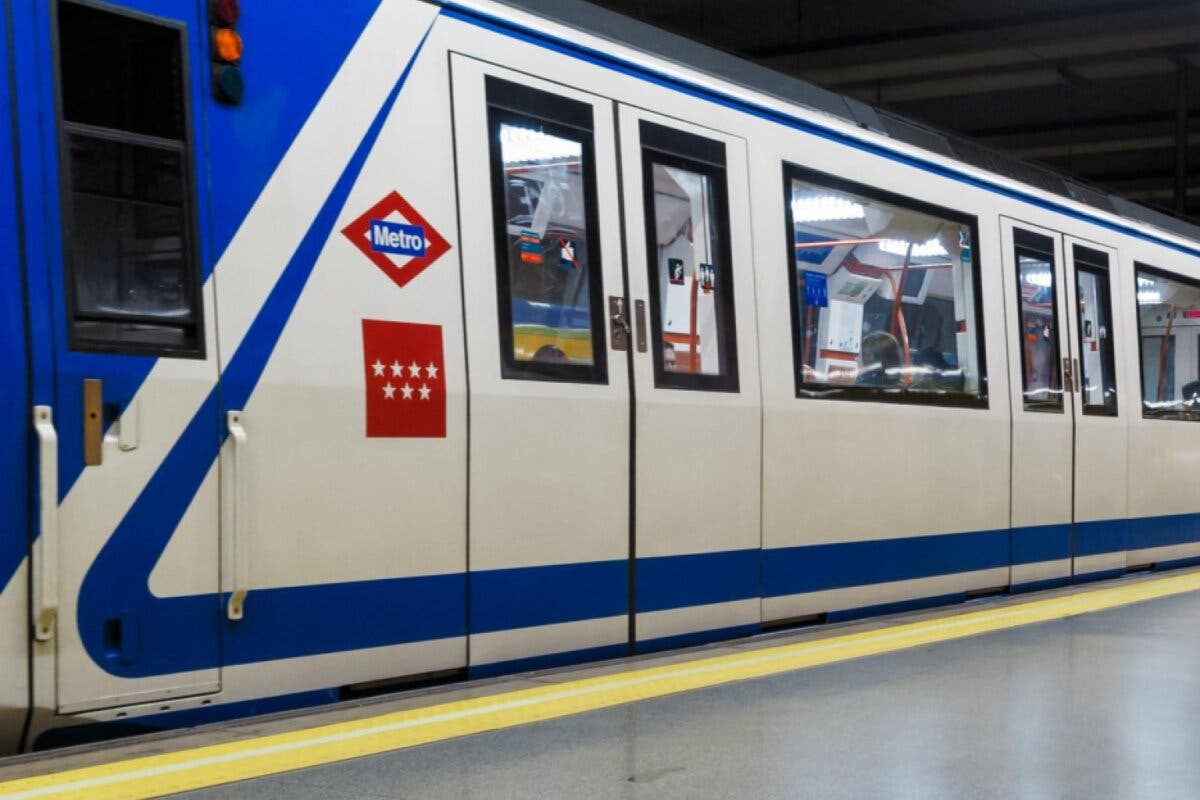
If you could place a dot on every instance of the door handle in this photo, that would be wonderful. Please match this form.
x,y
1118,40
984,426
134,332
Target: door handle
x,y
93,422
1068,384
240,547
44,553
639,316
620,325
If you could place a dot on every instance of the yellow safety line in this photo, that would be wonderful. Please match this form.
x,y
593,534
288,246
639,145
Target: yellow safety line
x,y
197,768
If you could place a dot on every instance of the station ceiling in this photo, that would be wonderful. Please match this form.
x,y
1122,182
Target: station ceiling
x,y
1106,91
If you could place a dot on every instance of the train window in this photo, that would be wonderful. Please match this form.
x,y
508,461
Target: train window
x,y
1168,309
132,279
1037,294
1098,381
691,277
547,253
884,295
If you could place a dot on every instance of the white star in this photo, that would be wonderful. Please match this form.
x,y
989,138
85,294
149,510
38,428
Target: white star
x,y
389,391
397,370
431,370
406,391
425,390
414,370
378,367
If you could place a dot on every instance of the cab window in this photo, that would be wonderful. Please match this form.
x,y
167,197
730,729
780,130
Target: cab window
x,y
132,273
547,253
1168,322
884,295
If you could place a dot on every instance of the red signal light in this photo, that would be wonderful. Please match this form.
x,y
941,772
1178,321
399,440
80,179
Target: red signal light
x,y
225,13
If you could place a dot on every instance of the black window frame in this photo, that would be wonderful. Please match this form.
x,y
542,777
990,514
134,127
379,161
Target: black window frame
x,y
509,102
64,130
875,394
1059,405
1182,414
1092,265
671,147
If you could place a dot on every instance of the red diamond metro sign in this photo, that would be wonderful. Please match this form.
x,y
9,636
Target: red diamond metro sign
x,y
397,239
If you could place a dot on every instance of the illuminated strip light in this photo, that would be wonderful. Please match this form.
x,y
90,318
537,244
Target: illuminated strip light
x,y
525,145
1149,296
899,247
825,208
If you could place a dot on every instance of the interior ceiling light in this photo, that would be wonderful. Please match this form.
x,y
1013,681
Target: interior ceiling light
x,y
1038,277
825,208
525,145
899,247
1148,296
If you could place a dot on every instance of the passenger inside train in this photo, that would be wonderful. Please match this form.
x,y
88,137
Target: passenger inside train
x,y
884,295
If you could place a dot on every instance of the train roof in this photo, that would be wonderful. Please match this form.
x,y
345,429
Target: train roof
x,y
654,41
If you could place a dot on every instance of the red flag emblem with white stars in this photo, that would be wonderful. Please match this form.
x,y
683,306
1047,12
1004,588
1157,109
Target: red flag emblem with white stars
x,y
406,381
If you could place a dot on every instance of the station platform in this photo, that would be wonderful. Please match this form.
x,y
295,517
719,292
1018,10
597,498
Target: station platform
x,y
1091,691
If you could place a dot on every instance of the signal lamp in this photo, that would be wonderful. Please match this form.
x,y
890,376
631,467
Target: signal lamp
x,y
227,45
225,13
228,85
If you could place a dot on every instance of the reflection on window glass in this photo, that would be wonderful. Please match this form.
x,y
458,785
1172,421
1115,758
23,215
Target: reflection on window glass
x,y
884,296
548,264
1098,388
1039,320
688,267
1168,309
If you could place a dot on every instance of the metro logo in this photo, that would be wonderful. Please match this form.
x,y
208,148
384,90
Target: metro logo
x,y
398,238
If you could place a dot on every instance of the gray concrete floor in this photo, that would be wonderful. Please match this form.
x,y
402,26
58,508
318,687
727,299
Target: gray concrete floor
x,y
1104,705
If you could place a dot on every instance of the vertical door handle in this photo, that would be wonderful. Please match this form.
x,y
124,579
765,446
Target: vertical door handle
x,y
639,317
1068,385
1079,387
240,546
44,553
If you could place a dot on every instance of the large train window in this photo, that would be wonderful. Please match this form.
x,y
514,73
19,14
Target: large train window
x,y
1168,309
132,276
691,276
1098,378
884,295
547,253
1037,294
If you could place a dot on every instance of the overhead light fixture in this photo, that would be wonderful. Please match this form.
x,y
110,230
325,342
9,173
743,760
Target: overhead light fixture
x,y
519,145
899,247
1148,296
1038,277
1145,281
825,208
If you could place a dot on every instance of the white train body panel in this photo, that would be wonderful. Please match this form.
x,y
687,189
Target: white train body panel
x,y
382,462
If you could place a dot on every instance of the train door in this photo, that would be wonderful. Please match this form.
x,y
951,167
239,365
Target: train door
x,y
125,361
547,368
1068,444
697,433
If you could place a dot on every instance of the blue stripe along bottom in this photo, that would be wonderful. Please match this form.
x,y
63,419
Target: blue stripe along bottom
x,y
156,636
307,620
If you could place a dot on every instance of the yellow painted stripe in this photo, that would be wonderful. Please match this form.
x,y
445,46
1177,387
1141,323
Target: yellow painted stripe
x,y
152,776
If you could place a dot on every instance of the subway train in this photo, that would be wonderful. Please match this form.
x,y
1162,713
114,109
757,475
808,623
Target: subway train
x,y
355,346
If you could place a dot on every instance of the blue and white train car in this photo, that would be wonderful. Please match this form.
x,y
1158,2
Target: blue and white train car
x,y
430,339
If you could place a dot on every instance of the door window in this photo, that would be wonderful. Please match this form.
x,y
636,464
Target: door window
x,y
132,276
1037,298
1098,379
885,295
547,253
694,340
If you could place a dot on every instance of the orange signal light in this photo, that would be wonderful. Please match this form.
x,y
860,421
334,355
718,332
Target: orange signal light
x,y
227,45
